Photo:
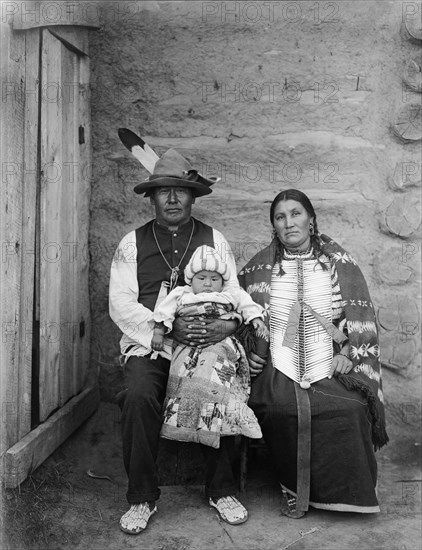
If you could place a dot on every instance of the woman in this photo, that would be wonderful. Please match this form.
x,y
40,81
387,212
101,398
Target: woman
x,y
318,397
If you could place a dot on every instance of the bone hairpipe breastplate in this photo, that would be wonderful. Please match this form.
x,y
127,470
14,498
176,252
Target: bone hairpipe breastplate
x,y
303,351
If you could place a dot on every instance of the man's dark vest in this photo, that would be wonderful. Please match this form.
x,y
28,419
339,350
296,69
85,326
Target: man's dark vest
x,y
151,267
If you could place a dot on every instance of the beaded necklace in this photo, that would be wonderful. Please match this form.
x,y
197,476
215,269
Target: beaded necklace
x,y
304,254
174,271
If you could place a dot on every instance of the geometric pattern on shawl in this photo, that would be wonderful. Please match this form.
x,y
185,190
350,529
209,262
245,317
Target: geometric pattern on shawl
x,y
255,278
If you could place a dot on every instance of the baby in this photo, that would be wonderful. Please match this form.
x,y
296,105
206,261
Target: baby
x,y
208,387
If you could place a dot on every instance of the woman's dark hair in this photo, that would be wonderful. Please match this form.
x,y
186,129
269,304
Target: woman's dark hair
x,y
296,195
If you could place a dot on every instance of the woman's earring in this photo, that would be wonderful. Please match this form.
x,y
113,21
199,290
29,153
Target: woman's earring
x,y
274,233
311,229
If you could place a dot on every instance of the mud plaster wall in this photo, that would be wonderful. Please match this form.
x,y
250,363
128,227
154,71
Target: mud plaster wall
x,y
268,99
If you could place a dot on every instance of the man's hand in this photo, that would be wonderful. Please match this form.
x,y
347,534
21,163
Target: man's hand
x,y
341,365
256,364
202,332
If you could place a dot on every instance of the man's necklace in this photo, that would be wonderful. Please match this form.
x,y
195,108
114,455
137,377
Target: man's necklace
x,y
174,271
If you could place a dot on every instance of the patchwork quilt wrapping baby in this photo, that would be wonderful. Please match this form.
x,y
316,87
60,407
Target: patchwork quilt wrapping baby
x,y
208,388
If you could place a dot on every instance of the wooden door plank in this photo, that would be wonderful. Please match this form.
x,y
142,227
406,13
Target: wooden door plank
x,y
68,217
29,202
83,195
26,455
12,154
50,234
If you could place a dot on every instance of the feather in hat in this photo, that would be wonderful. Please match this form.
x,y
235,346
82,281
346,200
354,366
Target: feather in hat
x,y
170,170
139,149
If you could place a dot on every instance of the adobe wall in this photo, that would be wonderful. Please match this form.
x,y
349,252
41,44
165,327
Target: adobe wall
x,y
268,96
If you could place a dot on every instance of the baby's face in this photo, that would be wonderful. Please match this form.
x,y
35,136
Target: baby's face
x,y
207,281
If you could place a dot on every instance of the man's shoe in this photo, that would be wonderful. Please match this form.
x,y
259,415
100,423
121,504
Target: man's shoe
x,y
136,518
230,509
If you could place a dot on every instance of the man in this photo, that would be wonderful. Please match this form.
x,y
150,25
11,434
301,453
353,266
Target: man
x,y
147,263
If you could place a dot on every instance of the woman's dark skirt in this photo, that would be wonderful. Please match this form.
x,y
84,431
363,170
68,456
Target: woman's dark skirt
x,y
343,465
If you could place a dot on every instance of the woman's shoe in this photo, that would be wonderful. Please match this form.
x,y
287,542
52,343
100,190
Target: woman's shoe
x,y
288,506
230,510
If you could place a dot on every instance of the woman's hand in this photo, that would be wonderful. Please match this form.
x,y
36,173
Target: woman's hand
x,y
341,365
202,332
256,364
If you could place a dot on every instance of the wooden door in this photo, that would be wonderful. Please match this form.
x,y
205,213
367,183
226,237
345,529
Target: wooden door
x,y
44,387
64,206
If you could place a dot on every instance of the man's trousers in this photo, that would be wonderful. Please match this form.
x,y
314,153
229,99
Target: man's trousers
x,y
141,405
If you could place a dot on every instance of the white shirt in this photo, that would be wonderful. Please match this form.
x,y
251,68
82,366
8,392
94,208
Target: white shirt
x,y
134,319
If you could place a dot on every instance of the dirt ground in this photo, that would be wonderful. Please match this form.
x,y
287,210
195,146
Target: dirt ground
x,y
61,507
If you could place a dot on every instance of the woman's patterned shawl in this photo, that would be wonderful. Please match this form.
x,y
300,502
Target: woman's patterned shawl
x,y
361,325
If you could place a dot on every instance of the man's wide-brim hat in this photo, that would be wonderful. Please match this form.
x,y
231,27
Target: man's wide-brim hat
x,y
171,170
